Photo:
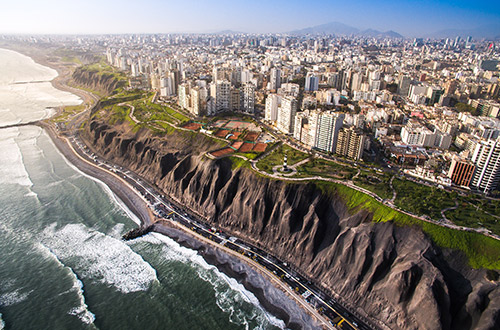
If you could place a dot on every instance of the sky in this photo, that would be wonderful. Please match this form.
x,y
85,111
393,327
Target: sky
x,y
408,17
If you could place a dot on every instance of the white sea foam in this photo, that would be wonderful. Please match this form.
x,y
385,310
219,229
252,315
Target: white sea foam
x,y
81,311
17,67
33,100
31,194
12,170
100,257
227,289
13,297
117,230
2,323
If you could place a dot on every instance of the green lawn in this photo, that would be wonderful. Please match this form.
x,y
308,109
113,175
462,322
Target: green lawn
x,y
473,212
376,183
421,199
276,158
121,113
238,162
325,168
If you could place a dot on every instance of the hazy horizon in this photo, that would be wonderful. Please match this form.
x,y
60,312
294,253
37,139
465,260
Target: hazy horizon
x,y
409,18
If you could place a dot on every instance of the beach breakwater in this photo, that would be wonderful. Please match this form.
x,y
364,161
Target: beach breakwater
x,y
393,275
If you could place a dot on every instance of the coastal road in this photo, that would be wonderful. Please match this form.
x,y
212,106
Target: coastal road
x,y
150,199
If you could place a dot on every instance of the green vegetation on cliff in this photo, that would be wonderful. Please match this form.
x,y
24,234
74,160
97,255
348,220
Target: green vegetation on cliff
x,y
468,210
481,251
100,79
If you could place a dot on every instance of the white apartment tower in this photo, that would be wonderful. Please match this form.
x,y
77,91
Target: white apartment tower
x,y
273,102
220,91
486,157
312,83
247,98
286,114
328,127
184,96
198,101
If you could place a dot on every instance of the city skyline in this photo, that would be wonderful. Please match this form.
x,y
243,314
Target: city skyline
x,y
409,18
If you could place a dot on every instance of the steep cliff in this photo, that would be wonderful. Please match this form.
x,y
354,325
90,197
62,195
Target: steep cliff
x,y
393,275
103,81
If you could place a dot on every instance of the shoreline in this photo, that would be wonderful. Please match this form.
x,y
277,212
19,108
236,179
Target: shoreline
x,y
259,282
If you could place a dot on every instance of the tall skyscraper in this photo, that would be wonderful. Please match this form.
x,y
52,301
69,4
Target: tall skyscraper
x,y
273,102
404,85
312,83
486,157
328,126
275,79
286,114
356,80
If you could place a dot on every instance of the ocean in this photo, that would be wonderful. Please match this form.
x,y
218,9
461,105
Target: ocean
x,y
63,264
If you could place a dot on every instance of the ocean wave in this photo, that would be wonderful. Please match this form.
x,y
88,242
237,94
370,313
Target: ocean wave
x,y
117,231
31,193
100,257
81,311
228,291
2,323
14,297
12,170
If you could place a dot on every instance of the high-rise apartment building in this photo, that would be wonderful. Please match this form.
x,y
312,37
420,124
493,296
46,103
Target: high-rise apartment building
x,y
275,79
220,91
234,100
328,126
486,157
198,101
312,83
404,85
351,143
184,96
286,114
247,98
273,102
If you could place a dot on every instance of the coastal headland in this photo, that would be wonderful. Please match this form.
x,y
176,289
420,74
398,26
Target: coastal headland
x,y
396,276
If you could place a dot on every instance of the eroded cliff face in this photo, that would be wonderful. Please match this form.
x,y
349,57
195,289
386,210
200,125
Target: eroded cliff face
x,y
393,275
104,83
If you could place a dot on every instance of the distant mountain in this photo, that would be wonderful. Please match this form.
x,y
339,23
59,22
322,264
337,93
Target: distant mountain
x,y
328,28
491,31
341,29
378,34
227,32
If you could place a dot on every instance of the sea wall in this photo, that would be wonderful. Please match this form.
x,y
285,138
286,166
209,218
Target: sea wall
x,y
394,275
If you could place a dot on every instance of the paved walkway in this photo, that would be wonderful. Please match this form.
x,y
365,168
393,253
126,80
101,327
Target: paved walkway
x,y
278,169
390,204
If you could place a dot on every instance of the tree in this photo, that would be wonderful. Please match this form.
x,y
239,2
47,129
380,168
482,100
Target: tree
x,y
463,107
